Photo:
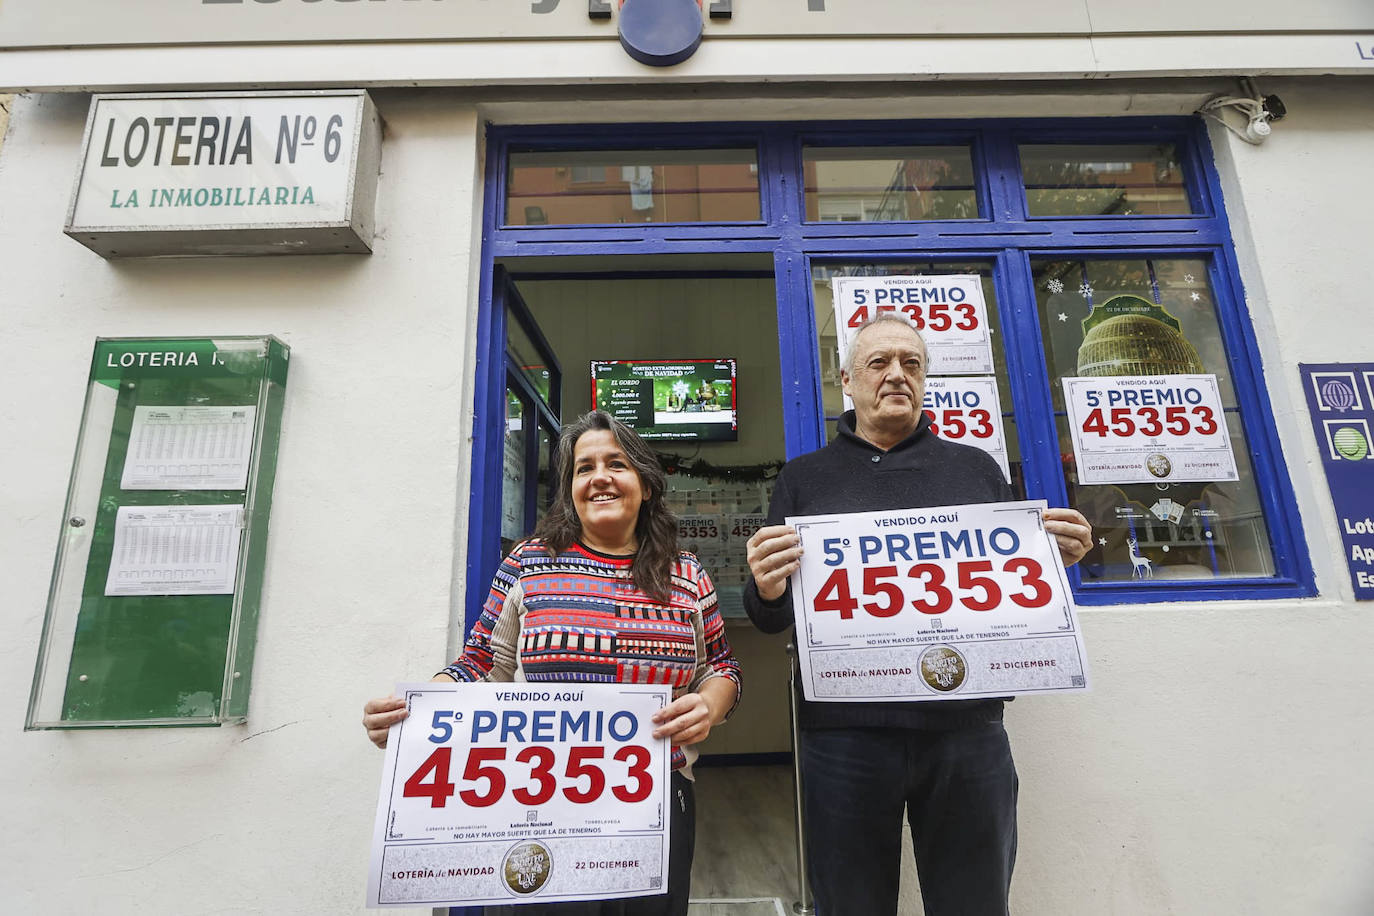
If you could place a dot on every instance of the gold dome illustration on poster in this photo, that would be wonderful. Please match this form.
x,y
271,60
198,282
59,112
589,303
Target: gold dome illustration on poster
x,y
1128,335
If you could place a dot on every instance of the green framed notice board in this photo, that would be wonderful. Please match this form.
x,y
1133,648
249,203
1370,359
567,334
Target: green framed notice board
x,y
152,612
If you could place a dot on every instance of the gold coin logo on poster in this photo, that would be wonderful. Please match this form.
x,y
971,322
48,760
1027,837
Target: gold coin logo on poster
x,y
943,668
527,867
1159,465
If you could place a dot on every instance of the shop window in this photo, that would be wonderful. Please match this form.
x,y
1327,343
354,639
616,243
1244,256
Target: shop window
x,y
1148,319
1055,228
888,183
1100,180
608,187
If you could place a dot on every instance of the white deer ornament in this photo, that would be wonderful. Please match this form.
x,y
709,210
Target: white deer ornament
x,y
1140,565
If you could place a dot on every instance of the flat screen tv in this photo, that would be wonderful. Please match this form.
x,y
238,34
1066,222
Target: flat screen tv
x,y
682,399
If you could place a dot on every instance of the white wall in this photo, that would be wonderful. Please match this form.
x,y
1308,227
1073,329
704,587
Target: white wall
x,y
276,815
1221,766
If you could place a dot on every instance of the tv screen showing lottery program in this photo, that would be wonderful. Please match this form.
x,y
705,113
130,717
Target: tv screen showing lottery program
x,y
684,399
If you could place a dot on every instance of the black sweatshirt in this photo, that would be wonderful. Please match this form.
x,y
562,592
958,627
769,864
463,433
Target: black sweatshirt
x,y
853,475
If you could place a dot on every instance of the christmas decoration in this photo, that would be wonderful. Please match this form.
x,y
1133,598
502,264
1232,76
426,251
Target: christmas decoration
x,y
676,464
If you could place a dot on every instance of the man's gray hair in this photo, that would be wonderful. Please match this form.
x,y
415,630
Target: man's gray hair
x,y
847,364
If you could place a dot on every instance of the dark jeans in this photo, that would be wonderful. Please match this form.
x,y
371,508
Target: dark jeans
x,y
682,833
958,789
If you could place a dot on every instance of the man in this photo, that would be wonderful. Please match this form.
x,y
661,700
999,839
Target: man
x,y
947,763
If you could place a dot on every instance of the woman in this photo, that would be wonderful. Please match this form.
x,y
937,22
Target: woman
x,y
607,531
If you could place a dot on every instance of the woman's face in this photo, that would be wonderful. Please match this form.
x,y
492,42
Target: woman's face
x,y
606,489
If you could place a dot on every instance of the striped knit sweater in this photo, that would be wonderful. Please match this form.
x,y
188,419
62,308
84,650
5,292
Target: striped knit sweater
x,y
578,616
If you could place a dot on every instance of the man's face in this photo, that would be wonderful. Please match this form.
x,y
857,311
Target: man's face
x,y
888,381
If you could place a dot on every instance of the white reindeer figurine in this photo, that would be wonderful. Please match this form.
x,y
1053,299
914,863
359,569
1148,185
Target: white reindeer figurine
x,y
1140,565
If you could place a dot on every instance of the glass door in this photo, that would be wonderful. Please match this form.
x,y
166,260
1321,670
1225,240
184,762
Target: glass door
x,y
532,420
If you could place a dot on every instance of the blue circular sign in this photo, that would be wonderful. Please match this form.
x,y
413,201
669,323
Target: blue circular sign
x,y
660,33
1338,394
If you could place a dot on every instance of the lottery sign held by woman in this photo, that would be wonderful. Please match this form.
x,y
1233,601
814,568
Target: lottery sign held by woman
x,y
555,788
494,794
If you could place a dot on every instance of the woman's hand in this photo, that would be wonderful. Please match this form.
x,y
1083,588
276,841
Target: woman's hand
x,y
689,718
684,721
383,712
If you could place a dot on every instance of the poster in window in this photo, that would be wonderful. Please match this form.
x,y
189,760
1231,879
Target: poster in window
x,y
968,410
948,310
1149,429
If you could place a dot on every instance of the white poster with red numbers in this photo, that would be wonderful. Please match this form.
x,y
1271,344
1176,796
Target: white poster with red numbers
x,y
950,603
968,410
948,310
698,532
1149,429
509,793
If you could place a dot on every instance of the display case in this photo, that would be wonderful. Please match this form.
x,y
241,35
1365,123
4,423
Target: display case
x,y
153,609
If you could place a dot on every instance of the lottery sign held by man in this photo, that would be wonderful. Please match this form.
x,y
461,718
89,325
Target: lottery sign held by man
x,y
947,764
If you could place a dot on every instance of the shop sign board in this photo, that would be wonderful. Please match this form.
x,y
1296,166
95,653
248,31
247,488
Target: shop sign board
x,y
100,23
228,173
1148,429
1340,401
522,792
942,603
80,45
948,310
968,410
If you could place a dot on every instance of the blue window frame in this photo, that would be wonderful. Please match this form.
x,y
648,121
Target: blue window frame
x,y
1002,234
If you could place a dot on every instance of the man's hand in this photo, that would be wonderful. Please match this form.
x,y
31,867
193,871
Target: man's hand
x,y
1071,531
774,553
